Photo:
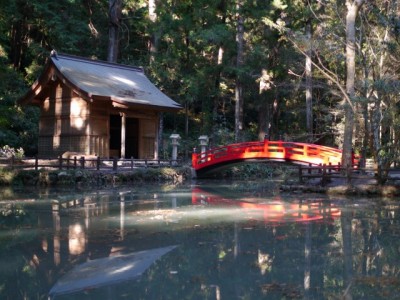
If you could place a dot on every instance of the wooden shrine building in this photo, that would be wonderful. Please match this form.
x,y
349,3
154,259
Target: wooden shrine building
x,y
98,108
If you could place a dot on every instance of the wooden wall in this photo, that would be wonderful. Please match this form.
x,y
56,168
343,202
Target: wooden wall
x,y
64,123
68,123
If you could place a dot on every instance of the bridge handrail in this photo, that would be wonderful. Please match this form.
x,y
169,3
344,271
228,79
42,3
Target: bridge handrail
x,y
294,151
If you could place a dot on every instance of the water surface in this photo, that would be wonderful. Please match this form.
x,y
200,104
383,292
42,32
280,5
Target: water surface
x,y
217,241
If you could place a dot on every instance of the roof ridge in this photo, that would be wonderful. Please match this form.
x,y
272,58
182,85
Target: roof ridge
x,y
55,55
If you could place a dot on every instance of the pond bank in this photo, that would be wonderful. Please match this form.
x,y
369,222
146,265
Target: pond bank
x,y
177,175
92,178
340,187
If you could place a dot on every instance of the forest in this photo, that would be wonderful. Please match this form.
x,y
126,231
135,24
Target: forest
x,y
323,72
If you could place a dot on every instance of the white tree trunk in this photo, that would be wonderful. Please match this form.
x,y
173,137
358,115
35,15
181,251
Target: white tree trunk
x,y
309,102
352,11
239,63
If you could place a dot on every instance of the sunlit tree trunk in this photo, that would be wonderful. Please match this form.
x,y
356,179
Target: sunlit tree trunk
x,y
377,126
115,10
153,43
352,11
364,108
266,108
309,102
239,63
153,47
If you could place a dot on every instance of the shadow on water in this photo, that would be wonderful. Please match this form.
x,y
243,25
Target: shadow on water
x,y
239,240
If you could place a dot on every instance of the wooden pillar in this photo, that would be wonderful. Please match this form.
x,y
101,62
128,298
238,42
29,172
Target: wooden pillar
x,y
123,134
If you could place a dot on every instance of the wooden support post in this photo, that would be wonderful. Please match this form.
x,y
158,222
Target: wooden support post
x,y
12,161
300,174
82,162
330,168
75,162
131,162
36,163
123,134
98,163
324,179
115,164
309,168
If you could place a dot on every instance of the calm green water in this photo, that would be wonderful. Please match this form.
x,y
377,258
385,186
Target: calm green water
x,y
230,241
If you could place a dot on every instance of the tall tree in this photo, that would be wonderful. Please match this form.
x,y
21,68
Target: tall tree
x,y
153,43
153,46
239,63
308,74
352,12
115,11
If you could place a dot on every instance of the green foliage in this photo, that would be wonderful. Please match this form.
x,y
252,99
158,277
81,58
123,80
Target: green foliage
x,y
18,128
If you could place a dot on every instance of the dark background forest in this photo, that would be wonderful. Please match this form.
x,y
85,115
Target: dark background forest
x,y
324,72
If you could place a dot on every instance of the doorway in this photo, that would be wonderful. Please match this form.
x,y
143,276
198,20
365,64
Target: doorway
x,y
131,137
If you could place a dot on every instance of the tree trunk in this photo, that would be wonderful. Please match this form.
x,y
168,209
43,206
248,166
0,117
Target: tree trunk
x,y
239,63
153,43
216,96
115,10
309,104
352,11
153,47
266,109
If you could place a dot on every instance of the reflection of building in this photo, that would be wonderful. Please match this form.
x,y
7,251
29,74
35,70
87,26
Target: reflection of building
x,y
97,108
77,239
71,236
79,225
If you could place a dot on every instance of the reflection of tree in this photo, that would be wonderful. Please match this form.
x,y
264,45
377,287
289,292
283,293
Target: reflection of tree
x,y
346,219
307,260
379,259
370,263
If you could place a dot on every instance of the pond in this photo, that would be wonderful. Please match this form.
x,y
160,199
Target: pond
x,y
240,240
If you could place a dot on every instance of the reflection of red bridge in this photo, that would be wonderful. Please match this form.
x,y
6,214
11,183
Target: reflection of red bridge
x,y
276,211
298,153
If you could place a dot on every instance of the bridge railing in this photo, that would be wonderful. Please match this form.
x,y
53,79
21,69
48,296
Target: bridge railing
x,y
275,150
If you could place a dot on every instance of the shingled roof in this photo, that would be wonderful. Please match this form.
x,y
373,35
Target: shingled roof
x,y
100,80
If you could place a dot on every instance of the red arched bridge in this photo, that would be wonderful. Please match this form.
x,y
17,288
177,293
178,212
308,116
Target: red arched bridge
x,y
291,152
